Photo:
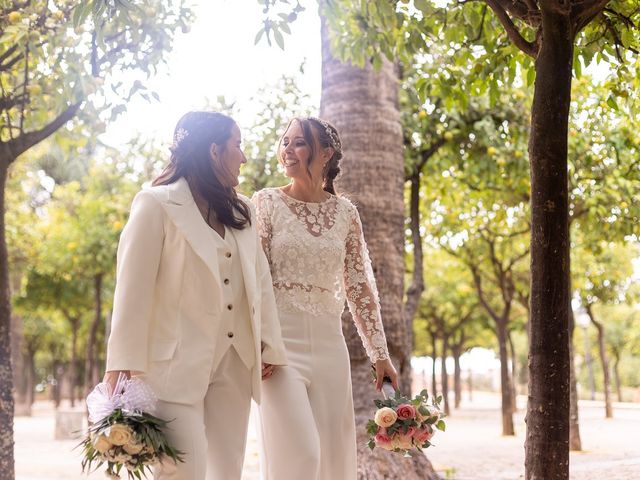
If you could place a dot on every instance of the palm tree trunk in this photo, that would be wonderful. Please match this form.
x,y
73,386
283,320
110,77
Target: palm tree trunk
x,y
363,105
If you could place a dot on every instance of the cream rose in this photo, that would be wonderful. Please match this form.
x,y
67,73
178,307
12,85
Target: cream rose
x,y
101,443
385,417
133,448
120,434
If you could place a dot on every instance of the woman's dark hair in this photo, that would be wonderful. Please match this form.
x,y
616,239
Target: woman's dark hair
x,y
326,135
191,158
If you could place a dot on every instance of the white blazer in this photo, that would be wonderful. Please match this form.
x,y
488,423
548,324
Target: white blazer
x,y
168,296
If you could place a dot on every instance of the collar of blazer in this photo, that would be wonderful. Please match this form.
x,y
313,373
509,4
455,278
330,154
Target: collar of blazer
x,y
178,202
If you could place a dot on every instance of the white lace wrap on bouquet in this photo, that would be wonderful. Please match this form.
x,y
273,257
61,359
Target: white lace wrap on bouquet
x,y
130,395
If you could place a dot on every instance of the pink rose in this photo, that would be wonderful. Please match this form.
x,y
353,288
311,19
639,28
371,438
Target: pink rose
x,y
383,440
406,411
423,435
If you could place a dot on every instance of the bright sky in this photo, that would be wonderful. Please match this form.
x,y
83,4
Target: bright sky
x,y
218,57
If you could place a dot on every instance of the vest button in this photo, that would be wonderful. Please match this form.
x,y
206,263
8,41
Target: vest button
x,y
226,281
228,254
229,307
230,334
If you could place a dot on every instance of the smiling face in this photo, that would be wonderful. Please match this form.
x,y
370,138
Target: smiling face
x,y
300,154
227,161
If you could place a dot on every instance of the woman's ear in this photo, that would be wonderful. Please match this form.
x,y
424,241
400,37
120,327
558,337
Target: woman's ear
x,y
213,151
328,152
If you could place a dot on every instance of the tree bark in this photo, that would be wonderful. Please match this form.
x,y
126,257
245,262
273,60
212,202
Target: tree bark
x,y
89,380
444,375
547,438
505,381
363,105
434,356
457,376
616,374
575,443
7,468
604,362
73,363
514,378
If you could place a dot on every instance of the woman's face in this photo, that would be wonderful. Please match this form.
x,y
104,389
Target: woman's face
x,y
295,153
231,157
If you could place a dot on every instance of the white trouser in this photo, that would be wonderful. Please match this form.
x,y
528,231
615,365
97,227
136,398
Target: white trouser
x,y
306,414
213,432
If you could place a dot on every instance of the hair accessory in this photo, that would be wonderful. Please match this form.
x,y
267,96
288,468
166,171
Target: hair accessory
x,y
333,136
180,135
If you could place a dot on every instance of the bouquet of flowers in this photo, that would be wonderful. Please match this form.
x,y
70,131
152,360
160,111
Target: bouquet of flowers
x,y
123,433
401,424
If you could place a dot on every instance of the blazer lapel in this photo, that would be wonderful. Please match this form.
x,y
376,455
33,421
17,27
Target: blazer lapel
x,y
184,213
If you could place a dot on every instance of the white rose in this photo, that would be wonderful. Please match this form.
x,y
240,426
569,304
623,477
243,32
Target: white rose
x,y
120,434
385,417
101,443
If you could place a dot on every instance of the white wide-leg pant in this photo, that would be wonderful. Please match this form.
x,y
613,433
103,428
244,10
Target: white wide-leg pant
x,y
213,432
306,414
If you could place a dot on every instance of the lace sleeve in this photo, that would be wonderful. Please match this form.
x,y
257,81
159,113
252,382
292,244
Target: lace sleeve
x,y
262,202
362,294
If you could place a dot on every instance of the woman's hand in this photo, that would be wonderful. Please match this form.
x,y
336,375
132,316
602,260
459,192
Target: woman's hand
x,y
384,368
267,370
111,378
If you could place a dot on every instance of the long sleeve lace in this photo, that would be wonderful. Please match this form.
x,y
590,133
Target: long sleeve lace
x,y
362,294
264,206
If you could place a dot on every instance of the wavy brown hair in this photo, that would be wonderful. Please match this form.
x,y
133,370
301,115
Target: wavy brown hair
x,y
316,136
193,136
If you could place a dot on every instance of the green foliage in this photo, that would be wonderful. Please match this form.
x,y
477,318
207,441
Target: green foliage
x,y
49,65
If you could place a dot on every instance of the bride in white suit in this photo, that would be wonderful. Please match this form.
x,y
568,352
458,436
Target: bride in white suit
x,y
194,309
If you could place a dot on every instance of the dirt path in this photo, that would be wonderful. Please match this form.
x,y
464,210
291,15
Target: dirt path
x,y
471,449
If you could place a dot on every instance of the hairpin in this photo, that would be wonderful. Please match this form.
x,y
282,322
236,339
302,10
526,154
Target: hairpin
x,y
333,136
180,135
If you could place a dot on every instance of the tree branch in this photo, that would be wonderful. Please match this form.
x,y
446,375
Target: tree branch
x,y
582,13
530,48
24,142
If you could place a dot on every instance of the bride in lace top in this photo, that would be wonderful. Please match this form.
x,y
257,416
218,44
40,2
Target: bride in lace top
x,y
315,246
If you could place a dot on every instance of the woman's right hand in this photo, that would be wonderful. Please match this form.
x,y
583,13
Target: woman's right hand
x,y
111,378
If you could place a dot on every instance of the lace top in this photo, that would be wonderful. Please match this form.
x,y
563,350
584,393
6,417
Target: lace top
x,y
319,259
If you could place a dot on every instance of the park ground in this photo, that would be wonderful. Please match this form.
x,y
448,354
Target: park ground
x,y
472,448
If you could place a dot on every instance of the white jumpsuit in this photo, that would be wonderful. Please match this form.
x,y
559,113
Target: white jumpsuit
x,y
318,259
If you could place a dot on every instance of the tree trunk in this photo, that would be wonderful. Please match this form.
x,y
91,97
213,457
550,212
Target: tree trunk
x,y
7,468
363,105
470,384
604,362
514,378
31,377
616,374
547,439
505,382
414,292
19,359
434,355
457,376
444,374
89,380
73,363
575,443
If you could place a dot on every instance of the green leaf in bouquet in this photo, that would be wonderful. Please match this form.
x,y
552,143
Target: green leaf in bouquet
x,y
378,403
424,411
424,394
438,399
371,444
441,426
372,427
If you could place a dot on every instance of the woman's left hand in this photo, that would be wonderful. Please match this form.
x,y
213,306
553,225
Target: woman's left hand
x,y
384,368
267,370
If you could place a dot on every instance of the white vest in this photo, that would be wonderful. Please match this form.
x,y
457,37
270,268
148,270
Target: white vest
x,y
235,324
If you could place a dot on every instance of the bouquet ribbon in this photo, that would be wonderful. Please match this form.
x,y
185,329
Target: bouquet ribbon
x,y
130,395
